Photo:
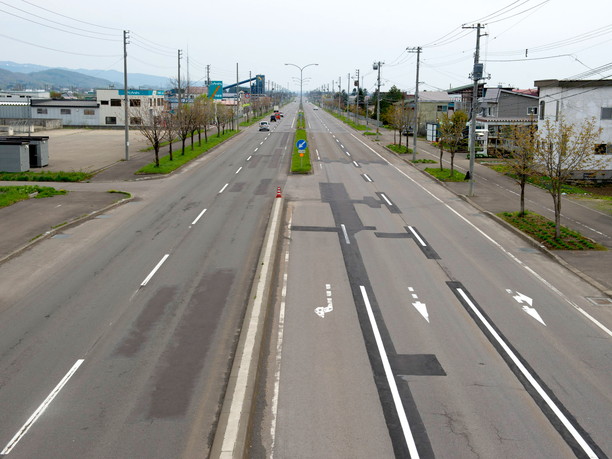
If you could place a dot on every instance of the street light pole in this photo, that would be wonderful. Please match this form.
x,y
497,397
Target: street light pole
x,y
301,79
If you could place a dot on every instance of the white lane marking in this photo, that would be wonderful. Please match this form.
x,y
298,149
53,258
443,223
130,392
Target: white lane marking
x,y
322,310
239,169
245,360
346,238
152,273
337,141
568,425
355,163
318,157
261,143
496,244
386,199
347,153
20,434
367,177
249,158
412,449
255,149
342,146
198,217
223,189
417,236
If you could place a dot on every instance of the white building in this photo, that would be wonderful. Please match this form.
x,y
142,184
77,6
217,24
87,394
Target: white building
x,y
112,110
576,101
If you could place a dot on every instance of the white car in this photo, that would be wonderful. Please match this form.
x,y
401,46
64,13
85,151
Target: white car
x,y
264,126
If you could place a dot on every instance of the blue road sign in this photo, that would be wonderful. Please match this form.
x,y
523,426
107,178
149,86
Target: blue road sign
x,y
215,90
301,144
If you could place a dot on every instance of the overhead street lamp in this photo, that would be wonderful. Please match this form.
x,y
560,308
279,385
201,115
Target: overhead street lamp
x,y
301,78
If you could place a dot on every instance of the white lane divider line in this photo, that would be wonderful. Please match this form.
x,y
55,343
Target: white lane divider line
x,y
355,163
255,149
152,273
223,189
552,405
322,310
367,177
239,169
318,157
347,153
399,407
386,199
346,237
249,158
40,410
198,217
421,241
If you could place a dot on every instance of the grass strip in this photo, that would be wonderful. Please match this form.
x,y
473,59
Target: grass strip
x,y
401,149
45,176
543,230
166,166
444,174
12,194
300,164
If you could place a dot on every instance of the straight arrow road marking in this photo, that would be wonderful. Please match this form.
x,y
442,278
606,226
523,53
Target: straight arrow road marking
x,y
420,307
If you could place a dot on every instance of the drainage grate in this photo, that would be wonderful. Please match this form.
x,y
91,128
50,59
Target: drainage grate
x,y
604,301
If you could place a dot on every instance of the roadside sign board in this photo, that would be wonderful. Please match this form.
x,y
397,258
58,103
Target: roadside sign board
x,y
301,144
215,90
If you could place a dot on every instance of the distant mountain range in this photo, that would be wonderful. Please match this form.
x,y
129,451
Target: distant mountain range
x,y
32,76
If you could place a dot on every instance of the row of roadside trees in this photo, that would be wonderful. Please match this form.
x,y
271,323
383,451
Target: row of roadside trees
x,y
555,151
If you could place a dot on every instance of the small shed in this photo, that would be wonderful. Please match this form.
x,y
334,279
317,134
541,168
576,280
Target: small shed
x,y
38,147
14,156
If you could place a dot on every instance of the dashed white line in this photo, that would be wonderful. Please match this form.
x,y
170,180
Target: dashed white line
x,y
239,169
417,236
223,189
152,273
355,163
19,435
249,158
346,237
367,177
198,217
386,199
255,149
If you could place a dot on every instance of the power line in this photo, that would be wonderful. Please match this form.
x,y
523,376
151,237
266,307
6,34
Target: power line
x,y
68,17
58,50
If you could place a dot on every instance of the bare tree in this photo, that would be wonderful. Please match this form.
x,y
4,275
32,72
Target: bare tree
x,y
520,161
153,129
451,134
184,120
563,149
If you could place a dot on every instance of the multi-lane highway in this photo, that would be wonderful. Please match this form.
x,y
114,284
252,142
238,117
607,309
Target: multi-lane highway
x,y
117,336
408,324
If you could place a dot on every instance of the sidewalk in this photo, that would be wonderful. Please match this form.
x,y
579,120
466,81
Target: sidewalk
x,y
495,193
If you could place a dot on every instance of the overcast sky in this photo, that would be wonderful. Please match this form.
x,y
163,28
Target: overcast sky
x,y
526,40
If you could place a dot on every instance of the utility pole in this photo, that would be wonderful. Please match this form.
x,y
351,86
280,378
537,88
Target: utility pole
x,y
357,98
126,36
415,126
179,79
377,66
237,97
476,76
339,94
208,75
348,95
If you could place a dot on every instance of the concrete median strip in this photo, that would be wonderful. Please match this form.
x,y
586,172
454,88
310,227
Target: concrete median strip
x,y
232,430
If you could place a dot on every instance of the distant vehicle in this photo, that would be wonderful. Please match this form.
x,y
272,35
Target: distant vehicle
x,y
407,131
264,126
315,108
273,118
282,115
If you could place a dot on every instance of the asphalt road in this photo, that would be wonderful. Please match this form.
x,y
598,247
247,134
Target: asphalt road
x,y
410,325
117,335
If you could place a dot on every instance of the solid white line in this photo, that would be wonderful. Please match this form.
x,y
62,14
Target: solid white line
x,y
412,449
346,238
495,243
245,360
223,189
198,217
568,425
152,273
417,236
367,177
249,158
20,434
239,169
386,199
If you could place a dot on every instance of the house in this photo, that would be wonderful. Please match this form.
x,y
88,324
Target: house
x,y
501,107
431,106
576,101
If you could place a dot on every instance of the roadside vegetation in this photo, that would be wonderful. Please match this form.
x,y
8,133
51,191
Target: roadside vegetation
x,y
45,176
300,164
12,194
543,230
400,149
167,164
445,175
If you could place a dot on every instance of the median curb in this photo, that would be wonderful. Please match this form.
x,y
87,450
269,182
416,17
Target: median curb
x,y
232,431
